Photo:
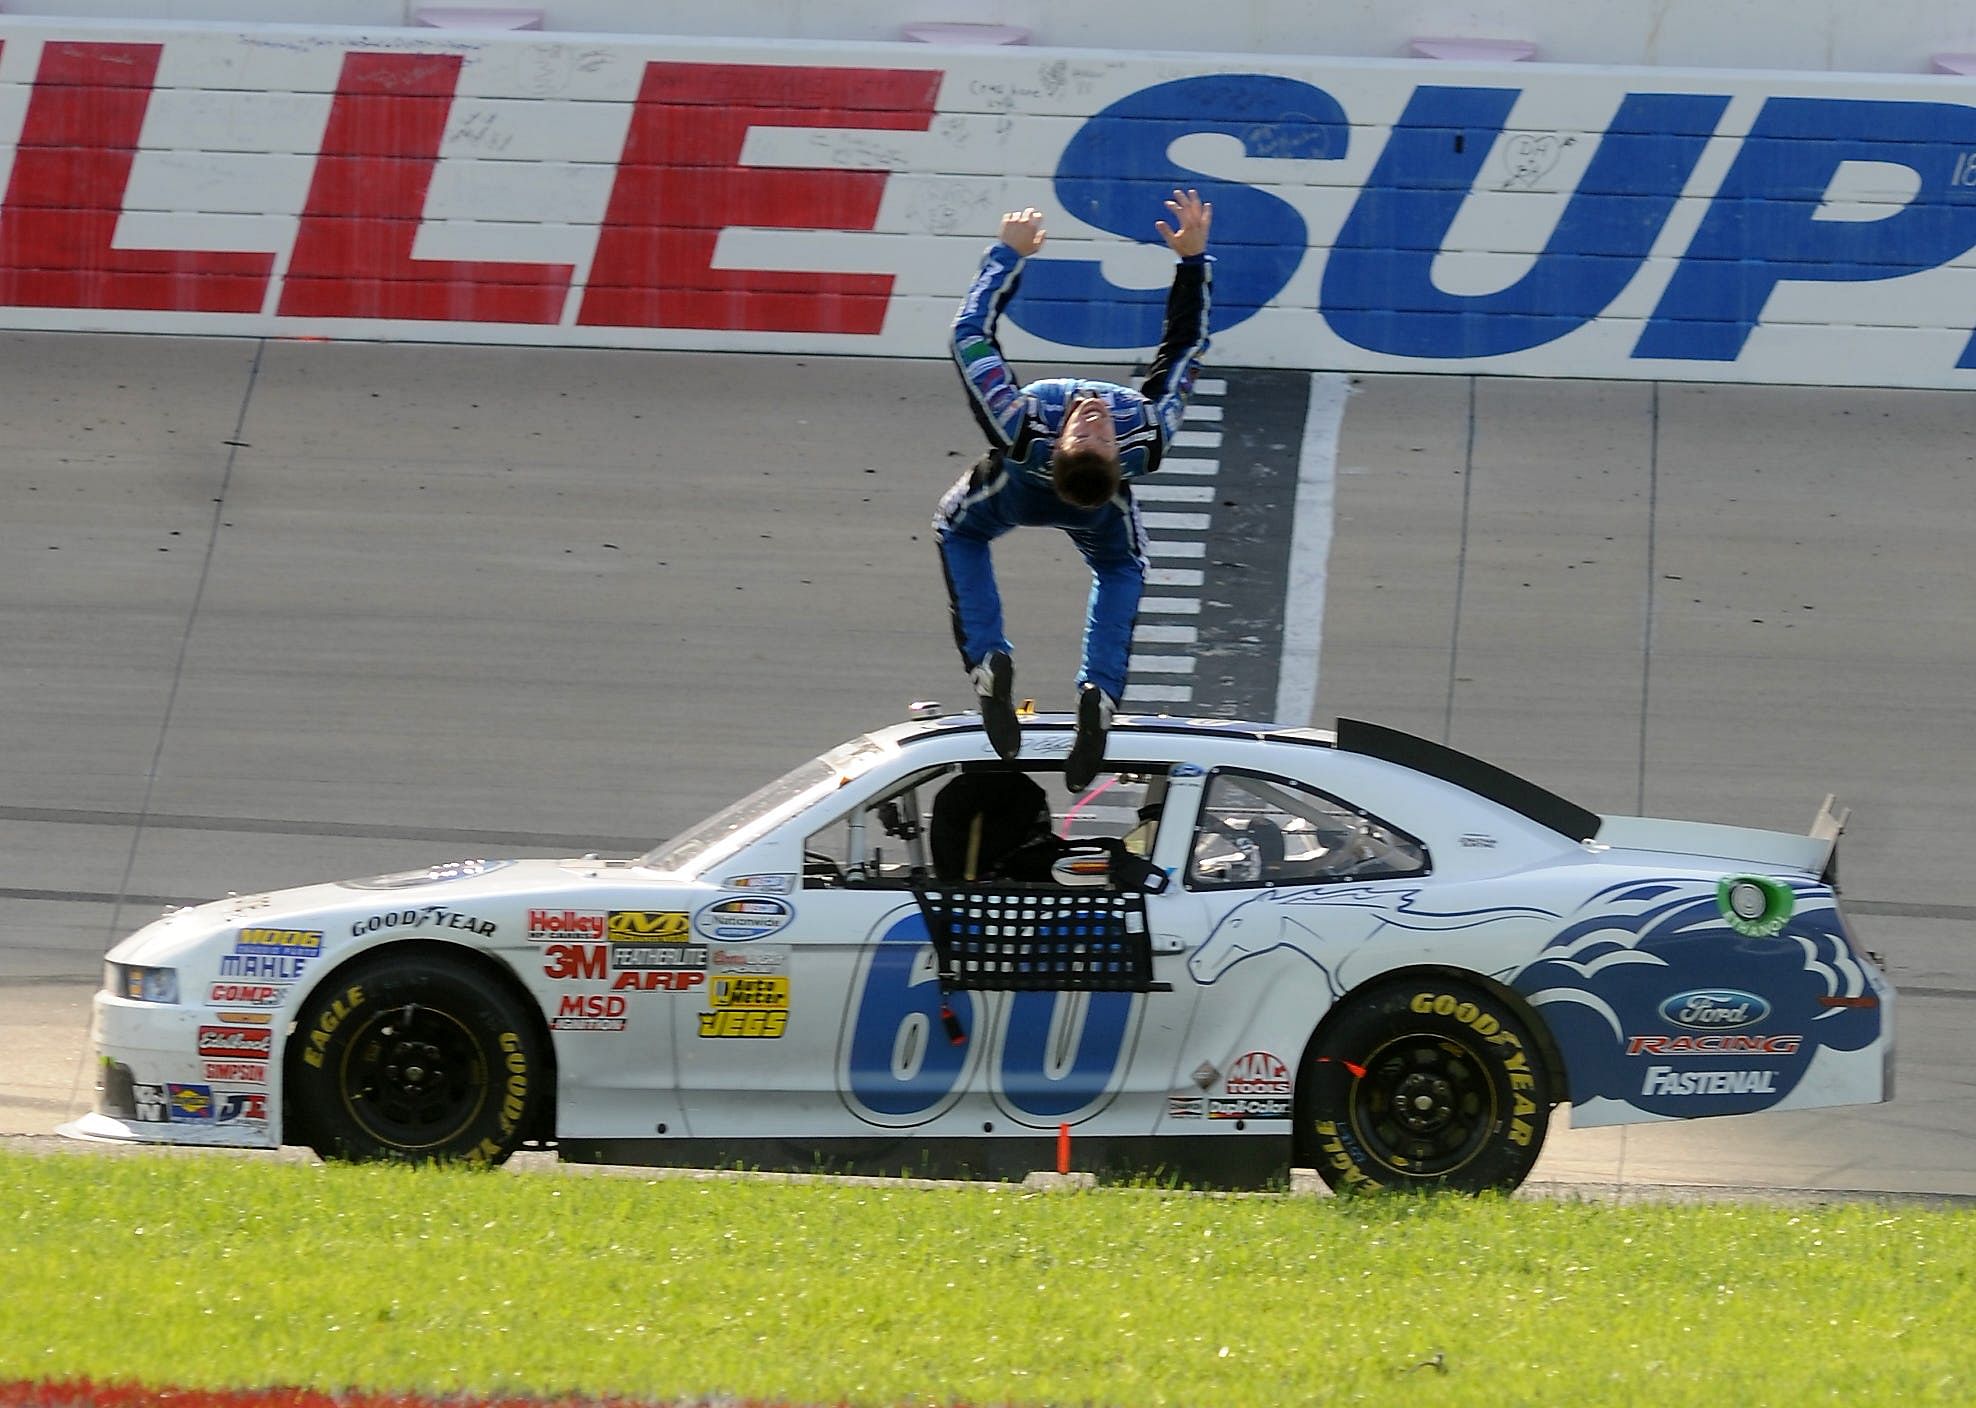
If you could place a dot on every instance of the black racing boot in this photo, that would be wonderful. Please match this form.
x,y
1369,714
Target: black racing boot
x,y
994,681
1094,715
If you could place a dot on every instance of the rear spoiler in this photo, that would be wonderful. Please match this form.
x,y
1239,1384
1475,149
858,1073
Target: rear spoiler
x,y
1815,853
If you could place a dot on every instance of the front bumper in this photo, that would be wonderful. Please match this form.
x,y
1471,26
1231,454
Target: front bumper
x,y
154,1086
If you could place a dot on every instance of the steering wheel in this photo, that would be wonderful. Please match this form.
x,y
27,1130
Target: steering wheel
x,y
1258,843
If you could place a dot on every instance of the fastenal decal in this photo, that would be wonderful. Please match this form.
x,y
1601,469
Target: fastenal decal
x,y
740,919
282,943
1666,1080
1715,1009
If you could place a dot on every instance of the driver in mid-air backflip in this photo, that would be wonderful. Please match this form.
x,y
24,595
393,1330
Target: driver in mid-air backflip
x,y
1062,453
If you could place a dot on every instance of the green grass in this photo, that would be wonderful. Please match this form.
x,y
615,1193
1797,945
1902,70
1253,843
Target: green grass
x,y
214,1272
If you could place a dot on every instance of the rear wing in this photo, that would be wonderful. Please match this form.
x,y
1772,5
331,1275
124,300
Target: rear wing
x,y
1815,853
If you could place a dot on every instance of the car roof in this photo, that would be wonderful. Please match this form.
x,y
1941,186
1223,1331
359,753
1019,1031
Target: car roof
x,y
1421,755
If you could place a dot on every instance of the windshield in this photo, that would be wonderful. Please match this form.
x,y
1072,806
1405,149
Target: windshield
x,y
833,769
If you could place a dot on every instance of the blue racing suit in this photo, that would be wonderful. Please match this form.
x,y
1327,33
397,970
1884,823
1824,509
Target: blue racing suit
x,y
1010,485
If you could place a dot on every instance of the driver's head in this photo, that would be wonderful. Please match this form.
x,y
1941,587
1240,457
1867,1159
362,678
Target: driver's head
x,y
1084,467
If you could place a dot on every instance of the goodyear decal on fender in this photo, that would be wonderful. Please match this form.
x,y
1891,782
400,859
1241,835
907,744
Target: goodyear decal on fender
x,y
738,920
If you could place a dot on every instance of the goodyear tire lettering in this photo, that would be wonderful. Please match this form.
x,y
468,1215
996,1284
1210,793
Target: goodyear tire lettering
x,y
1426,1084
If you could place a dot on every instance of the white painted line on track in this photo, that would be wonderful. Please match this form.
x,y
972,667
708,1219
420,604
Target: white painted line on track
x,y
1164,664
1164,635
1204,468
1173,493
1310,548
1198,439
1173,547
1159,693
1184,522
1170,606
1172,577
1202,413
1210,386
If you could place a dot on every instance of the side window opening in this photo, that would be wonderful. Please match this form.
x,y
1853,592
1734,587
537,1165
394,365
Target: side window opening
x,y
1258,831
973,823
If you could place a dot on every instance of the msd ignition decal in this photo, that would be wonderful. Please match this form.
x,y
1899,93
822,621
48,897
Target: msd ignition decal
x,y
908,1054
1651,996
739,920
431,916
590,1012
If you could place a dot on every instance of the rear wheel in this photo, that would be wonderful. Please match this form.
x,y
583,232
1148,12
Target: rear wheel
x,y
1425,1084
417,1060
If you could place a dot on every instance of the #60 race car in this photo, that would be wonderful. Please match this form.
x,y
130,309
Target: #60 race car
x,y
1243,948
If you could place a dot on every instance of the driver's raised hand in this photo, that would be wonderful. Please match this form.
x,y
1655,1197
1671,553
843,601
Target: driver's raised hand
x,y
1022,231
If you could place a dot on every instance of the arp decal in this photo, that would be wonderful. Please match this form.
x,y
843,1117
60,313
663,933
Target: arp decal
x,y
1654,971
738,920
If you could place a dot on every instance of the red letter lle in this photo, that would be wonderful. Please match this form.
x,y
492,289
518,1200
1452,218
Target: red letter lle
x,y
67,191
681,182
353,255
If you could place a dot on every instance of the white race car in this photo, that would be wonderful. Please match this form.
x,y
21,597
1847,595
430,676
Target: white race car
x,y
1244,948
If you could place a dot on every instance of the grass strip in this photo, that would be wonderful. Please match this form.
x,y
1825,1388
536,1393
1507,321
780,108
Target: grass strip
x,y
228,1273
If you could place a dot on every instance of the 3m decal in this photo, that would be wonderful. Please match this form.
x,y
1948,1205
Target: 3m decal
x,y
565,961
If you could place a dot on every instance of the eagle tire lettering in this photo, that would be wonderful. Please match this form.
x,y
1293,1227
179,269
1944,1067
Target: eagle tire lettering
x,y
417,1060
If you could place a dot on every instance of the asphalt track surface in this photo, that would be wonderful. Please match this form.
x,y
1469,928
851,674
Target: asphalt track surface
x,y
277,612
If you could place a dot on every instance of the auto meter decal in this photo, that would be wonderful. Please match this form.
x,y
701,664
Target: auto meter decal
x,y
738,920
1657,1002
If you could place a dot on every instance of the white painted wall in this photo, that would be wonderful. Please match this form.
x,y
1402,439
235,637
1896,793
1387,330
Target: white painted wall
x,y
1886,36
1781,251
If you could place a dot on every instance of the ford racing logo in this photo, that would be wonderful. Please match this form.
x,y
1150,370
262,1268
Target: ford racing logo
x,y
1714,1009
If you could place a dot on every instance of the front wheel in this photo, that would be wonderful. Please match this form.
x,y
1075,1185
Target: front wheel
x,y
1424,1084
417,1060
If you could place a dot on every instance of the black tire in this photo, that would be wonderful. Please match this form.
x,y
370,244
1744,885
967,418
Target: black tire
x,y
416,1060
1421,1085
